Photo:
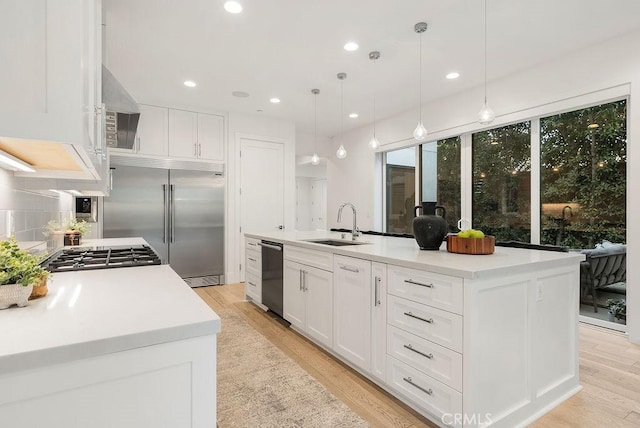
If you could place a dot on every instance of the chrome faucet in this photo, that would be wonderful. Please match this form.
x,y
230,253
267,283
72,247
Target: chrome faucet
x,y
354,232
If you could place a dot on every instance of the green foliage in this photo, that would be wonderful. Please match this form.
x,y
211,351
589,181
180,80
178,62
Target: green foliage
x,y
51,228
18,266
81,226
449,180
586,166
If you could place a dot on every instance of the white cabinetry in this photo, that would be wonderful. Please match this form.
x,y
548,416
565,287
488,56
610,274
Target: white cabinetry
x,y
308,299
352,305
196,135
253,270
151,136
51,84
379,321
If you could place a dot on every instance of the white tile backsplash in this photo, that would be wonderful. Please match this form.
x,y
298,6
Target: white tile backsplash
x,y
24,214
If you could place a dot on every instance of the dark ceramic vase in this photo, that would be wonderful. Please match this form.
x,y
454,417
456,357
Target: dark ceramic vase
x,y
429,229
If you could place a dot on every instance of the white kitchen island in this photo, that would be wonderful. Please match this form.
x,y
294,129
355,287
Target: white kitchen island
x,y
125,347
470,341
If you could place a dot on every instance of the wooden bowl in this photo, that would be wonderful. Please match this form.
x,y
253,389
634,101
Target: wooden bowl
x,y
474,246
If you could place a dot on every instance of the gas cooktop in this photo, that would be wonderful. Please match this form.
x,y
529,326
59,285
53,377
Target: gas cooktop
x,y
74,259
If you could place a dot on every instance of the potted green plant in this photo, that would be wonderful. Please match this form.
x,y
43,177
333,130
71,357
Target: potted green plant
x,y
617,310
19,271
55,235
74,230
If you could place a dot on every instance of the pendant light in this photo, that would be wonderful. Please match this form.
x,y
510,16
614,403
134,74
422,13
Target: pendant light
x,y
486,115
315,160
374,143
420,133
342,152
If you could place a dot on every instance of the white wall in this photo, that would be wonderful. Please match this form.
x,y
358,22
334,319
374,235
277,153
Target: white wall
x,y
564,84
263,128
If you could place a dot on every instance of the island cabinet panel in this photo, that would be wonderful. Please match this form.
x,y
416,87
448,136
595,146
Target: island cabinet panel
x,y
352,306
308,301
379,321
441,291
166,385
253,271
441,327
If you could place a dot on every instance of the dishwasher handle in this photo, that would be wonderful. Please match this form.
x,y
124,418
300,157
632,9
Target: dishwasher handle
x,y
271,246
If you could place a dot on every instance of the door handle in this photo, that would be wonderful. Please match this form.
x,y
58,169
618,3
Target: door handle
x,y
376,291
138,149
281,227
199,150
273,247
172,213
164,214
301,288
304,280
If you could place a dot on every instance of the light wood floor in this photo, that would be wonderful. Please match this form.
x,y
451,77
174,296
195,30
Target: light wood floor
x,y
609,373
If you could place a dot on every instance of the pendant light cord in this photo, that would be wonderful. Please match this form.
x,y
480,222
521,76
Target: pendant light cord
x,y
420,78
485,52
374,98
341,107
315,121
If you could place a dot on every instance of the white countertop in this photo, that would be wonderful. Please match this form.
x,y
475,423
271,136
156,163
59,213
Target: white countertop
x,y
97,312
405,252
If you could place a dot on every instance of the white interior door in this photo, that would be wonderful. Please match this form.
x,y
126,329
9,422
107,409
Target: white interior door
x,y
261,188
319,204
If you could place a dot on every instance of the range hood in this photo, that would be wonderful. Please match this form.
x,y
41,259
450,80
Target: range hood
x,y
122,113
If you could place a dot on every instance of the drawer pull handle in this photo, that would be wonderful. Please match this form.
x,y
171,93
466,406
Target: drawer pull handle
x,y
350,269
251,284
410,348
253,245
410,382
253,260
409,314
411,281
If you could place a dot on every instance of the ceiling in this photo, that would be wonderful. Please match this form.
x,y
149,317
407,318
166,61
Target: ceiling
x,y
284,48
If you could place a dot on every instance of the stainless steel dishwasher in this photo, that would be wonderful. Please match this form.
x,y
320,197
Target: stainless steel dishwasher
x,y
272,276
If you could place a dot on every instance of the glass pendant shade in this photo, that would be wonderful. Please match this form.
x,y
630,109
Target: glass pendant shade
x,y
342,152
420,133
486,115
374,143
315,159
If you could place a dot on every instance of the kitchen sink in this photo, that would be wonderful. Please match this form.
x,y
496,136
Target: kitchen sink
x,y
334,242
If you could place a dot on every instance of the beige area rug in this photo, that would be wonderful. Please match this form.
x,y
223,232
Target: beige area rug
x,y
259,386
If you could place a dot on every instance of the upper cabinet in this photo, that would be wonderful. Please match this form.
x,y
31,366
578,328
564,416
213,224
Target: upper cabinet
x,y
51,85
196,135
178,134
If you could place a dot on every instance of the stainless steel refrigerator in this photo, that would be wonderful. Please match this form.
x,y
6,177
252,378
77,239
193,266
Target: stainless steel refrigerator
x,y
179,213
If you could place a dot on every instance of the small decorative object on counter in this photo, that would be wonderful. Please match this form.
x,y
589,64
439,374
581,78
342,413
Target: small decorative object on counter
x,y
74,231
471,241
617,310
40,288
429,229
19,270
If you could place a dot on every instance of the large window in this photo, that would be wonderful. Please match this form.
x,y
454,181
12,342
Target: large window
x,y
502,182
583,176
401,189
440,177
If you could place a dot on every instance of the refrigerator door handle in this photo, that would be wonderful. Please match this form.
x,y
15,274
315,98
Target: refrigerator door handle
x,y
172,213
164,214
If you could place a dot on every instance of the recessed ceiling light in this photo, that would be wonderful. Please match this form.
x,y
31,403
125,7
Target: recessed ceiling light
x,y
275,100
453,75
190,83
233,7
351,46
240,94
353,115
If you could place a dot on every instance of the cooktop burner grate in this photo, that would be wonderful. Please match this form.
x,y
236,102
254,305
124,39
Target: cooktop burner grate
x,y
103,258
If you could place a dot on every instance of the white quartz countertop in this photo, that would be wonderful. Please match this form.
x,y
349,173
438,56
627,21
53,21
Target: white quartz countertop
x,y
405,252
96,312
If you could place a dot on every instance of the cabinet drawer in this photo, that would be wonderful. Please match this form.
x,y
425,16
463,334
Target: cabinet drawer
x,y
438,362
253,262
253,287
429,394
252,244
320,259
441,291
441,327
